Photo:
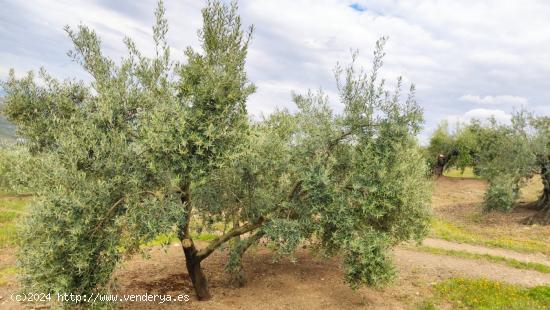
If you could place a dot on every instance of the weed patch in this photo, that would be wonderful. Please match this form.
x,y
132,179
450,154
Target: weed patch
x,y
488,295
452,232
491,258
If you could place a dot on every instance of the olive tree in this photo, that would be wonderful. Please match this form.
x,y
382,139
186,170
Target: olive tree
x,y
441,150
152,146
116,158
351,184
453,149
504,159
507,156
511,155
540,142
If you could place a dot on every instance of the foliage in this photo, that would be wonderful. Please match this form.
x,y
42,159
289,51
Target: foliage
x,y
353,184
442,141
459,148
506,155
14,160
12,209
505,160
153,147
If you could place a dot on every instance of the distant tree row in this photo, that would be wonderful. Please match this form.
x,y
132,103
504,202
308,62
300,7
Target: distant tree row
x,y
507,155
153,147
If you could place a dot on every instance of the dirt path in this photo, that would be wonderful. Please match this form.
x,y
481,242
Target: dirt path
x,y
477,249
444,266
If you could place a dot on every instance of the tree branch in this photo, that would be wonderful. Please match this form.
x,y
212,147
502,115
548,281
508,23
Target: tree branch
x,y
250,241
108,215
216,243
114,207
183,228
337,140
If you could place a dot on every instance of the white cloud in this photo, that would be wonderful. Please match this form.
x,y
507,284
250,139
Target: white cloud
x,y
496,100
447,48
497,58
480,115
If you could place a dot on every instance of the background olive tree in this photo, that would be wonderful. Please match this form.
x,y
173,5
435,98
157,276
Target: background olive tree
x,y
152,146
506,155
453,148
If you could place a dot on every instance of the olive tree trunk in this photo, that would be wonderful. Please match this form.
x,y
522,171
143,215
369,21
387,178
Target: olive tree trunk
x,y
544,200
441,161
192,257
543,204
238,277
193,264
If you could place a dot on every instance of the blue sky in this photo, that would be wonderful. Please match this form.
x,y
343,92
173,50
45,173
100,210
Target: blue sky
x,y
468,59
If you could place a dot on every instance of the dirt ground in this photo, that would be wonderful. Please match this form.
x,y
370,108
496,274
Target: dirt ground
x,y
315,283
458,200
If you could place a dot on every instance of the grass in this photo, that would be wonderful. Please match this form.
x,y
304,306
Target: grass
x,y
11,209
162,240
5,273
458,173
452,232
8,216
488,295
427,304
170,238
491,258
204,236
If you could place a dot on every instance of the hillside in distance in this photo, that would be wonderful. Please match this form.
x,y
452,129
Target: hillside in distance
x,y
7,130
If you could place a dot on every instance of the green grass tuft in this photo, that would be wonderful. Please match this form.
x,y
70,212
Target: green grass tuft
x,y
205,236
452,232
11,210
488,295
491,258
5,272
458,173
8,216
162,240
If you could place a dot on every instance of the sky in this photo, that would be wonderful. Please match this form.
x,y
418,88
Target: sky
x,y
467,59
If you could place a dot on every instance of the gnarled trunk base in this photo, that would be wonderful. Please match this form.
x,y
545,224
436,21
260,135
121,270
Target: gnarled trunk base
x,y
193,263
440,165
441,162
542,217
543,205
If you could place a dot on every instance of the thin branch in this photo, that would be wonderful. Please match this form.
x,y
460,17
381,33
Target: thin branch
x,y
108,215
216,243
245,244
113,208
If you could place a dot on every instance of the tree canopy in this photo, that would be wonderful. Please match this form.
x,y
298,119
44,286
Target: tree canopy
x,y
506,155
153,146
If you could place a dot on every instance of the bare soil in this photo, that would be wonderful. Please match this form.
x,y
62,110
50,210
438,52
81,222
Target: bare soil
x,y
459,201
315,283
476,249
310,283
